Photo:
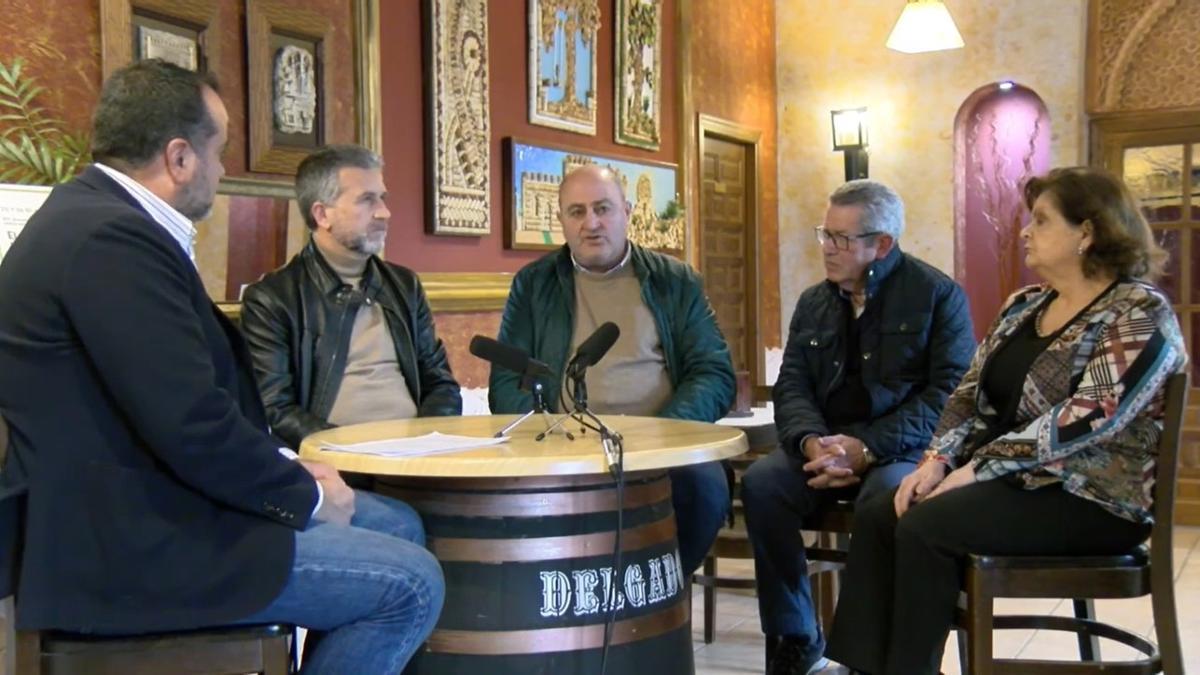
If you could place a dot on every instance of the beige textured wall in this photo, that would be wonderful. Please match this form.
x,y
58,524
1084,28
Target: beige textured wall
x,y
831,55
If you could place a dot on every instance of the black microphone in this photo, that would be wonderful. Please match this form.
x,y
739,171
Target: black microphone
x,y
508,357
594,348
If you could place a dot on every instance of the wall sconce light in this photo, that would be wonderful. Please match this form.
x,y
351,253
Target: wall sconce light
x,y
924,26
850,137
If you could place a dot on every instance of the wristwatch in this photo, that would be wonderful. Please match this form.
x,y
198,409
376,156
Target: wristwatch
x,y
868,456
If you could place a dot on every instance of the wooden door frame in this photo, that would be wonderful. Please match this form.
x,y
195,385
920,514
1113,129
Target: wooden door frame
x,y
710,126
1109,134
1166,127
1102,128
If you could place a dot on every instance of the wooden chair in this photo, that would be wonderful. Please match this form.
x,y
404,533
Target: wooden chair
x,y
1135,574
827,557
213,651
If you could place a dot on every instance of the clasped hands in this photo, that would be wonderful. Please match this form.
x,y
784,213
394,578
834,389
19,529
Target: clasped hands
x,y
837,461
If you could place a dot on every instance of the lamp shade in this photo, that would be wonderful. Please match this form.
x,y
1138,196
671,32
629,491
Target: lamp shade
x,y
849,128
924,26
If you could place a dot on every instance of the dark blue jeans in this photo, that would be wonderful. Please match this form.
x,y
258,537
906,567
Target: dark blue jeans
x,y
700,497
371,587
777,498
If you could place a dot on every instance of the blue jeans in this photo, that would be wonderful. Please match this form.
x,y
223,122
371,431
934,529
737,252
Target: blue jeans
x,y
776,498
700,497
371,586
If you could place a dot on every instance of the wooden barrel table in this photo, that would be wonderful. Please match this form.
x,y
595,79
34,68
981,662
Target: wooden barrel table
x,y
525,533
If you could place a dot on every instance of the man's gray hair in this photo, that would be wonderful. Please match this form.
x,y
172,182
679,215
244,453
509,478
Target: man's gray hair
x,y
882,208
317,177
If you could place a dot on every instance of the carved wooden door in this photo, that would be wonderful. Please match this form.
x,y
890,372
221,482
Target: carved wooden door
x,y
728,242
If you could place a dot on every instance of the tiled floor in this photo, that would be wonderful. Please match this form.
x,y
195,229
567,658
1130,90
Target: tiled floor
x,y
739,644
738,647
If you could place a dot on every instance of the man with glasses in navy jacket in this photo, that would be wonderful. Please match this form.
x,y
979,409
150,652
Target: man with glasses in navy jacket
x,y
873,352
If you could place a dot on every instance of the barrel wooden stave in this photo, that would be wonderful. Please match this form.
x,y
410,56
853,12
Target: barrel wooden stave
x,y
525,593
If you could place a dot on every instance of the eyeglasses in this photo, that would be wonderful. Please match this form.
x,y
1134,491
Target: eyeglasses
x,y
840,241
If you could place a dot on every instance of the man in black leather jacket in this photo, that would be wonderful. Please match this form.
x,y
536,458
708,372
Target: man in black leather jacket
x,y
338,335
873,353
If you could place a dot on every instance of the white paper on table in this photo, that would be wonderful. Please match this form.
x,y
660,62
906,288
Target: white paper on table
x,y
416,446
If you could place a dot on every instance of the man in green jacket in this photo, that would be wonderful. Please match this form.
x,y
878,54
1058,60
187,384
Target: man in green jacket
x,y
669,361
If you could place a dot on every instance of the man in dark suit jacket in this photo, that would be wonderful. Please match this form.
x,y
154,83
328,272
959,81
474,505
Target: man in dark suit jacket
x,y
154,497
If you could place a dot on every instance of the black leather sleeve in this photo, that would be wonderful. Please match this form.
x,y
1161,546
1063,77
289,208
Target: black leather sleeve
x,y
275,350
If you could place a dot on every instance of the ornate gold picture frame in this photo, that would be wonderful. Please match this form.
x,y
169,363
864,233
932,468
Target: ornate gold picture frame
x,y
458,147
563,48
638,74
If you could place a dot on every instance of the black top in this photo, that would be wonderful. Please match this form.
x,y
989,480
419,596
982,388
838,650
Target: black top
x,y
850,402
1006,370
1009,366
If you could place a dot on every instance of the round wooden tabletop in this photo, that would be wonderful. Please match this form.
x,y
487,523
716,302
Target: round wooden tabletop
x,y
650,443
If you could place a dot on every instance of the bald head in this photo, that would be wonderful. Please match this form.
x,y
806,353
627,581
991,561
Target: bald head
x,y
594,216
591,172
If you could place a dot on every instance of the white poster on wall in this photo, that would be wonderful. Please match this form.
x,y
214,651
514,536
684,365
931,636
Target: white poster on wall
x,y
17,203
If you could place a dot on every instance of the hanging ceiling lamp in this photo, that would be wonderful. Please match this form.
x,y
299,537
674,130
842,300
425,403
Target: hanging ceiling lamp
x,y
924,26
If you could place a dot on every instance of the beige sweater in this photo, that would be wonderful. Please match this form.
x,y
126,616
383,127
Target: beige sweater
x,y
632,377
372,388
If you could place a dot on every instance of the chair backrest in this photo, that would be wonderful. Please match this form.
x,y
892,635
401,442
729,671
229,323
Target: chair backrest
x,y
1168,463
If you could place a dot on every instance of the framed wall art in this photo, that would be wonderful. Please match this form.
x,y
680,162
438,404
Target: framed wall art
x,y
562,64
289,88
183,32
638,73
458,146
533,172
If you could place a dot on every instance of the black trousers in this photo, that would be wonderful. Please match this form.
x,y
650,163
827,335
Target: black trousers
x,y
904,575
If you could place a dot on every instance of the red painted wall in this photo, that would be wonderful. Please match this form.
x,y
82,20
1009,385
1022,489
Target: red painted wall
x,y
60,43
508,47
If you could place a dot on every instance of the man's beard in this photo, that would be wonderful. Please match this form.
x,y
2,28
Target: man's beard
x,y
362,243
193,204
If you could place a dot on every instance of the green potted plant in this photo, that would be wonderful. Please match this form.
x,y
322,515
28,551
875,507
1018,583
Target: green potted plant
x,y
35,148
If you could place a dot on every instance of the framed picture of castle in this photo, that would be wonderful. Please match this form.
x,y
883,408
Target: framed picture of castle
x,y
533,172
562,64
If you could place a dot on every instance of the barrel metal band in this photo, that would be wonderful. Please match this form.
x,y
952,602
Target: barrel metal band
x,y
543,640
440,484
529,505
534,549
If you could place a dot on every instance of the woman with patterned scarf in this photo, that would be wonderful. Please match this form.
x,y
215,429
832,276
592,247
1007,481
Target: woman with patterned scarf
x,y
1047,447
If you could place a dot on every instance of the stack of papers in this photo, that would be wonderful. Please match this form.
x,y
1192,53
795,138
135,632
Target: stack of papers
x,y
417,446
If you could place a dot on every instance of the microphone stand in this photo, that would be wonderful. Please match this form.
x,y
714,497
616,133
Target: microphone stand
x,y
610,441
530,383
614,456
